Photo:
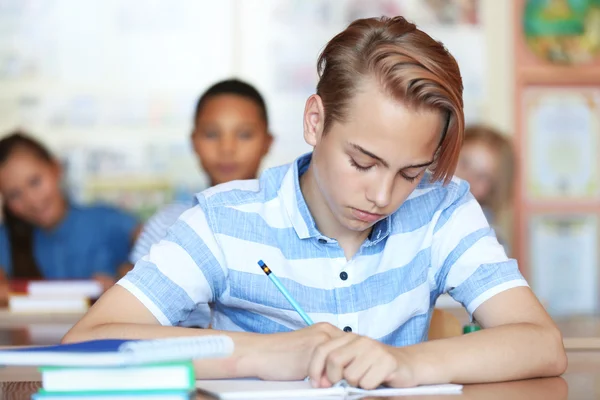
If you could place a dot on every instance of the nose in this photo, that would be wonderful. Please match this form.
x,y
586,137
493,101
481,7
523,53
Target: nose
x,y
227,145
31,200
380,191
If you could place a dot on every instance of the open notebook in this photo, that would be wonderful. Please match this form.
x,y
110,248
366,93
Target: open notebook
x,y
232,389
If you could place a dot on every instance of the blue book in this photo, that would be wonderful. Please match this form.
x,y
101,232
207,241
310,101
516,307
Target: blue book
x,y
112,352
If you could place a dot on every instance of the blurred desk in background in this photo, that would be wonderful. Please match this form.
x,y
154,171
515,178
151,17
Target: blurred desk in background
x,y
9,319
34,329
581,332
33,334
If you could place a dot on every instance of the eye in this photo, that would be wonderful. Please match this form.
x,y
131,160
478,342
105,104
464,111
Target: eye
x,y
211,134
359,167
409,178
245,135
35,181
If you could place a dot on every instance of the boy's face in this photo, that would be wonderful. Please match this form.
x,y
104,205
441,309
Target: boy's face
x,y
366,166
230,138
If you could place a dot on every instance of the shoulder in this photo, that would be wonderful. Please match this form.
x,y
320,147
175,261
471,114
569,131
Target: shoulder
x,y
173,210
168,215
244,191
234,207
438,193
430,202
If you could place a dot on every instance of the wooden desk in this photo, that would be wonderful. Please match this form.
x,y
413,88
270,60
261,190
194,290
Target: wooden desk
x,y
33,334
580,382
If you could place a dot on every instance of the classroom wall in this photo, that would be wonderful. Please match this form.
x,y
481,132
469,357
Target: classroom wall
x,y
499,30
114,98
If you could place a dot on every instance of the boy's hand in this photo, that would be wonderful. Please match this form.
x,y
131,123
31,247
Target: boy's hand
x,y
286,356
362,362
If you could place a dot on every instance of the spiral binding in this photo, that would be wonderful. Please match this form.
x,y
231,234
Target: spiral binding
x,y
178,349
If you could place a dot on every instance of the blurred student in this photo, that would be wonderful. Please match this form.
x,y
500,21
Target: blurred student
x,y
44,235
487,162
230,137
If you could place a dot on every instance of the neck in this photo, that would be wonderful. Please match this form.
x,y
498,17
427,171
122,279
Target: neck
x,y
349,240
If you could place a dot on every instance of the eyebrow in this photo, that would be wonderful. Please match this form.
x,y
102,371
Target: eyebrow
x,y
385,163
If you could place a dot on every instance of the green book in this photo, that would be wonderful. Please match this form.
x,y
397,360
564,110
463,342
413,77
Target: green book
x,y
174,376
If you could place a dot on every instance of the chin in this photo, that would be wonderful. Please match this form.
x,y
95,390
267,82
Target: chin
x,y
358,226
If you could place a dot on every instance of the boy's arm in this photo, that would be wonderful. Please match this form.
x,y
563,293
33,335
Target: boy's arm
x,y
519,341
283,356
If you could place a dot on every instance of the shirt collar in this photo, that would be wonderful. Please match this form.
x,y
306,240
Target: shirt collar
x,y
293,200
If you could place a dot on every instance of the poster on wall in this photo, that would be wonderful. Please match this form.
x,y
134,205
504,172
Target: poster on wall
x,y
562,127
564,262
563,31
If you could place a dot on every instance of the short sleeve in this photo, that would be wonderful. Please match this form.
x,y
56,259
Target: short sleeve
x,y
5,263
468,261
156,229
183,272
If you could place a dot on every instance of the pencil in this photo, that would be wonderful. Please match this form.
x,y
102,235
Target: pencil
x,y
284,291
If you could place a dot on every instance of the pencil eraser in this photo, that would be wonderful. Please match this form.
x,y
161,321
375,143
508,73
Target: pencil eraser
x,y
261,263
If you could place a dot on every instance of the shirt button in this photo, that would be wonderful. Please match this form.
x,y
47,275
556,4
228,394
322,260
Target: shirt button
x,y
322,241
343,275
347,329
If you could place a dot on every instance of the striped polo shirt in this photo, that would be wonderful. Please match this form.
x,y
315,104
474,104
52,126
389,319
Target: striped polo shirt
x,y
438,241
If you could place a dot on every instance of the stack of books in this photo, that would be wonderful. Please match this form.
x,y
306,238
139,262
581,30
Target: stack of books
x,y
53,296
153,381
158,369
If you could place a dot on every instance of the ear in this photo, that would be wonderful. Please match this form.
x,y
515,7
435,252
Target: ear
x,y
314,120
58,169
268,143
195,142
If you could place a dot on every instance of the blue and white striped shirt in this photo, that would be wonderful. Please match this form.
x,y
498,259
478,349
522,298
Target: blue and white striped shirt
x,y
438,241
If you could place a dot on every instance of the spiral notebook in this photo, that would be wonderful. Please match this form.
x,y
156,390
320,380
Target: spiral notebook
x,y
113,352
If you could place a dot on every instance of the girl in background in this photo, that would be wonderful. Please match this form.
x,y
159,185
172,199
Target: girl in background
x,y
43,235
487,162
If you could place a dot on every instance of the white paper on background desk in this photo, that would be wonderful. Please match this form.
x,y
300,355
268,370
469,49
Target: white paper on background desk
x,y
233,389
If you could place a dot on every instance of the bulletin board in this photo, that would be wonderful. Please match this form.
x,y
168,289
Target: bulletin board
x,y
557,138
